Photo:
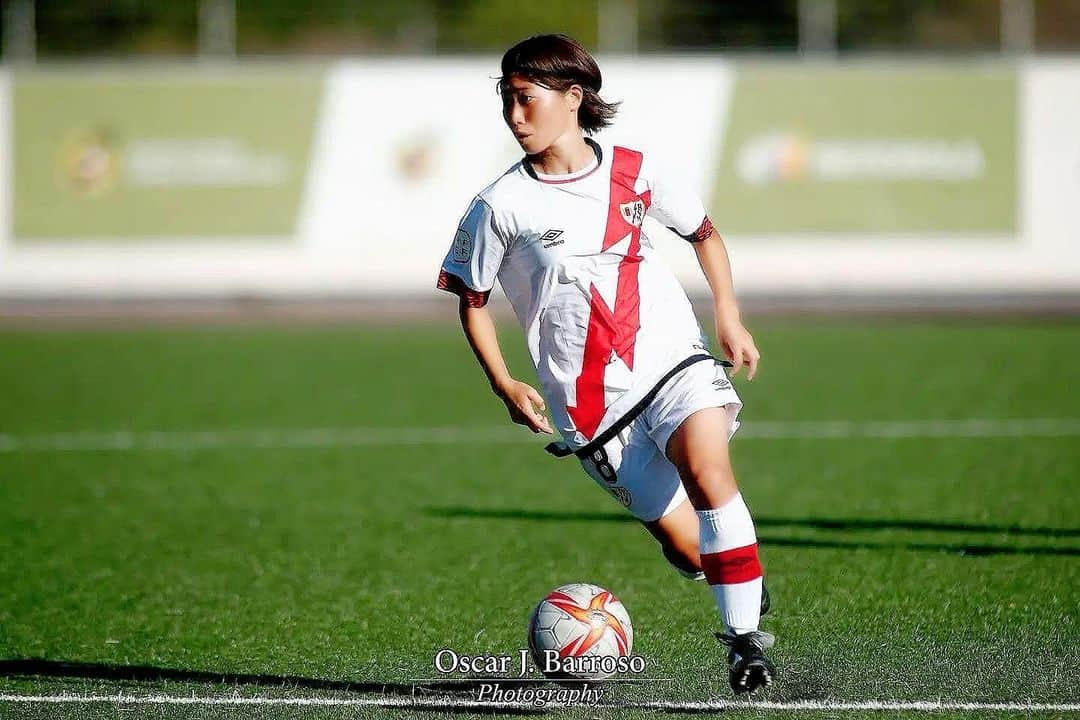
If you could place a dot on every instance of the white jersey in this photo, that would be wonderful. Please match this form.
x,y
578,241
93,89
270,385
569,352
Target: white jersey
x,y
604,316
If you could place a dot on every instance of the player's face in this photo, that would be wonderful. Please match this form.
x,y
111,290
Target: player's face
x,y
538,116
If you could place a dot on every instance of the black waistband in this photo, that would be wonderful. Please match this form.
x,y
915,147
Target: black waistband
x,y
559,449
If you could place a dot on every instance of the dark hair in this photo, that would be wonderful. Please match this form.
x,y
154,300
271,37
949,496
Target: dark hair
x,y
558,62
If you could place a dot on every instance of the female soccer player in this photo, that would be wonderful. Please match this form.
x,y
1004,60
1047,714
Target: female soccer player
x,y
621,358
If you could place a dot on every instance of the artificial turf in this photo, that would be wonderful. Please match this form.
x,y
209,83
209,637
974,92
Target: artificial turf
x,y
907,568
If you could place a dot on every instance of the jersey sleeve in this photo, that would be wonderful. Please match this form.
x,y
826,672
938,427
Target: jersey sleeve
x,y
474,258
677,206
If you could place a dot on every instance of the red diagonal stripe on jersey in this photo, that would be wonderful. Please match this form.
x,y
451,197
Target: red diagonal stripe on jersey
x,y
612,329
737,565
625,168
627,297
599,339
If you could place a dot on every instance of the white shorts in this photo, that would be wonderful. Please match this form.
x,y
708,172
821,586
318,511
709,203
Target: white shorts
x,y
633,465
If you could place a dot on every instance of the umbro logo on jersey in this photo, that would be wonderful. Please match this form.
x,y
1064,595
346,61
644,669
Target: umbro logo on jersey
x,y
633,212
551,238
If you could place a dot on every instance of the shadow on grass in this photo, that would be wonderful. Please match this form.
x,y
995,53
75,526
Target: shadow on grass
x,y
38,668
459,694
838,524
957,548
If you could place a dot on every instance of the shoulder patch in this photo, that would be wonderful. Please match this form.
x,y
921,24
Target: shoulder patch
x,y
463,247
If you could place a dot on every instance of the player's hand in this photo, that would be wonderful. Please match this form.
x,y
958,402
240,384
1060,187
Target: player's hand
x,y
738,346
525,406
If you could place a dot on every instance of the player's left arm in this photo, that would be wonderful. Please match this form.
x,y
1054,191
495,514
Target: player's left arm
x,y
735,339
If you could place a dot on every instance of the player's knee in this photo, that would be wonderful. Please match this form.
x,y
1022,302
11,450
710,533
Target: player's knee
x,y
714,484
683,556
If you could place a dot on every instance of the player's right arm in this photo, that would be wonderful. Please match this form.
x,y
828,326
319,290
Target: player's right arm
x,y
469,271
522,401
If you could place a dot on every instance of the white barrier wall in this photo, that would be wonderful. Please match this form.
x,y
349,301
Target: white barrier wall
x,y
7,169
836,178
1050,167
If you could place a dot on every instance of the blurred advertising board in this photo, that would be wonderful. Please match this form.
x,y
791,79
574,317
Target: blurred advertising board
x,y
349,178
864,150
115,155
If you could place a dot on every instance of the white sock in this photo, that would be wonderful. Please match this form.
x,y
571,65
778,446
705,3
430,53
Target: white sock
x,y
728,547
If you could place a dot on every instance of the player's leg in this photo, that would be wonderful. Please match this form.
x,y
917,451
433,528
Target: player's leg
x,y
635,474
727,541
677,533
691,421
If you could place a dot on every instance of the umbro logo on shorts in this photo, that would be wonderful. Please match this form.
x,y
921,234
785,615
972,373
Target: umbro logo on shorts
x,y
622,495
550,239
721,383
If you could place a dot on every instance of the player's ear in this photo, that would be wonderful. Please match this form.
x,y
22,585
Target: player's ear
x,y
574,96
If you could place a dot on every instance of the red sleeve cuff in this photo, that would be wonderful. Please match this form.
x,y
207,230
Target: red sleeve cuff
x,y
454,284
705,229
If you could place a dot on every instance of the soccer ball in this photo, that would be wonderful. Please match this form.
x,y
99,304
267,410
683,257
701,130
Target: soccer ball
x,y
581,631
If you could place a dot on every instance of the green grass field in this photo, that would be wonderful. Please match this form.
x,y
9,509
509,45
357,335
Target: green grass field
x,y
916,567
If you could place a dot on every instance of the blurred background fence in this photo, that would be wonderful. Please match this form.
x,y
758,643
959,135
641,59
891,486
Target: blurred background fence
x,y
57,29
208,148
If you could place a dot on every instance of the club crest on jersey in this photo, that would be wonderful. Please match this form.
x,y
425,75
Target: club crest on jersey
x,y
463,246
633,212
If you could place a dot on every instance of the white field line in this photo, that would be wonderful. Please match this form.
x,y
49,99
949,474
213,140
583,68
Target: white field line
x,y
284,438
452,704
384,436
329,437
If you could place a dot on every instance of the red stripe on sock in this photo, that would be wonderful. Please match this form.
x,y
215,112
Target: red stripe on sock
x,y
737,565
